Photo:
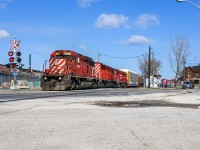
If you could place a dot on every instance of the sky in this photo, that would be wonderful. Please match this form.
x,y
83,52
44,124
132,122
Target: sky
x,y
120,30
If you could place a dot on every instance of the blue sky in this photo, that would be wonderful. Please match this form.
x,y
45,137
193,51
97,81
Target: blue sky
x,y
116,28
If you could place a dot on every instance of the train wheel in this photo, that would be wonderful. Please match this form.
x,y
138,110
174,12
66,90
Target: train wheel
x,y
73,85
77,86
103,84
95,85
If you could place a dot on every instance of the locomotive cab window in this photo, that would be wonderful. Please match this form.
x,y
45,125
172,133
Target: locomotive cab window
x,y
74,58
63,57
91,63
52,57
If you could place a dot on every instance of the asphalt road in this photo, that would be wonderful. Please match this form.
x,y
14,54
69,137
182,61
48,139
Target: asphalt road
x,y
109,92
101,119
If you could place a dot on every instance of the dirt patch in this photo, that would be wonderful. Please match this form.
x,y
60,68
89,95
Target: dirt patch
x,y
144,103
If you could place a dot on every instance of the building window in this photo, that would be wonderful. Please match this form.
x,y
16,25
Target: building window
x,y
188,74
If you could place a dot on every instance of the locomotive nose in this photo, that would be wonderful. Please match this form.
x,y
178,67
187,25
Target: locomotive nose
x,y
57,67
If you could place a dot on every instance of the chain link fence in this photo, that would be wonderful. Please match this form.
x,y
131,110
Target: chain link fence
x,y
33,78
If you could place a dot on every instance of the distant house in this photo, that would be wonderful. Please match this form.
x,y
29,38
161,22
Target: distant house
x,y
7,74
193,74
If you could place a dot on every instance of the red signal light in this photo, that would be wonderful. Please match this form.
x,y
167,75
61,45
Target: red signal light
x,y
18,53
10,53
14,65
11,59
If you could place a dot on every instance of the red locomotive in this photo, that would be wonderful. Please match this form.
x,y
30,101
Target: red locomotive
x,y
109,77
104,75
120,78
71,70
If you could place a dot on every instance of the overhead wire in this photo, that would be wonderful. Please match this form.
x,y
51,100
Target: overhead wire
x,y
159,54
120,57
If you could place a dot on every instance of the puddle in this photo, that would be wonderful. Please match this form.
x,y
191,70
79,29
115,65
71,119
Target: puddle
x,y
144,103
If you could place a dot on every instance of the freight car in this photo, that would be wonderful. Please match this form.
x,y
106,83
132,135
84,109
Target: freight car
x,y
132,78
71,70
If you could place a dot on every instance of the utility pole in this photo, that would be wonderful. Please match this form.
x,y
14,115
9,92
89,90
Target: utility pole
x,y
30,61
152,69
99,57
149,68
184,70
30,67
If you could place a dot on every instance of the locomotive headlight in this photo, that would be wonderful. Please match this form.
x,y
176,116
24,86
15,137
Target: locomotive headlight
x,y
59,78
45,78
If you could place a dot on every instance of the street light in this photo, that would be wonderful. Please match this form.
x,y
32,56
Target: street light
x,y
189,2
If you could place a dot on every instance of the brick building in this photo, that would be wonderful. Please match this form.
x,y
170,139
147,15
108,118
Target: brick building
x,y
7,74
193,74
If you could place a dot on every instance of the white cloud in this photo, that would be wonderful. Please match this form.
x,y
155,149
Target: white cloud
x,y
3,34
111,21
85,3
137,40
146,20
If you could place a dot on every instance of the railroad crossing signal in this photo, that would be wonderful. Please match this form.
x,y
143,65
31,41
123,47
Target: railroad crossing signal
x,y
19,59
18,54
15,44
14,65
14,59
8,65
11,59
10,53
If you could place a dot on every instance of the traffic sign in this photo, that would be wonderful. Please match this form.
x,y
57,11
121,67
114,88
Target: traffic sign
x,y
15,44
14,73
14,70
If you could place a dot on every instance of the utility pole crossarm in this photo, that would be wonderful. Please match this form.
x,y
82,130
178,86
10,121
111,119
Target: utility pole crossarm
x,y
99,57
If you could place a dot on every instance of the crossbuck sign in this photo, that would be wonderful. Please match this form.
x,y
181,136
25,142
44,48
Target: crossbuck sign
x,y
15,44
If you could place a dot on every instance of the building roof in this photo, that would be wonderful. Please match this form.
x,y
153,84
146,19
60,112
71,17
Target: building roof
x,y
195,69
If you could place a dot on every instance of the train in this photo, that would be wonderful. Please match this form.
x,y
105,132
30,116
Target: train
x,y
69,70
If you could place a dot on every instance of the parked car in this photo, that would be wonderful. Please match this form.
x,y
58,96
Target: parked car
x,y
187,85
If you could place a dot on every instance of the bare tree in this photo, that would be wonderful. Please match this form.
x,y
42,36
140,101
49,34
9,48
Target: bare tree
x,y
144,63
178,55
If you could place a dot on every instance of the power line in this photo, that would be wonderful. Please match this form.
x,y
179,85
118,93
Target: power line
x,y
121,57
166,59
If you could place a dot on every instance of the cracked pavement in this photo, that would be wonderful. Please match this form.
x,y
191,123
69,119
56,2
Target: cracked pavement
x,y
75,123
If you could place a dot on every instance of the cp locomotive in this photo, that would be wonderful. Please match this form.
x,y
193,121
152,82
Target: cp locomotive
x,y
71,70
